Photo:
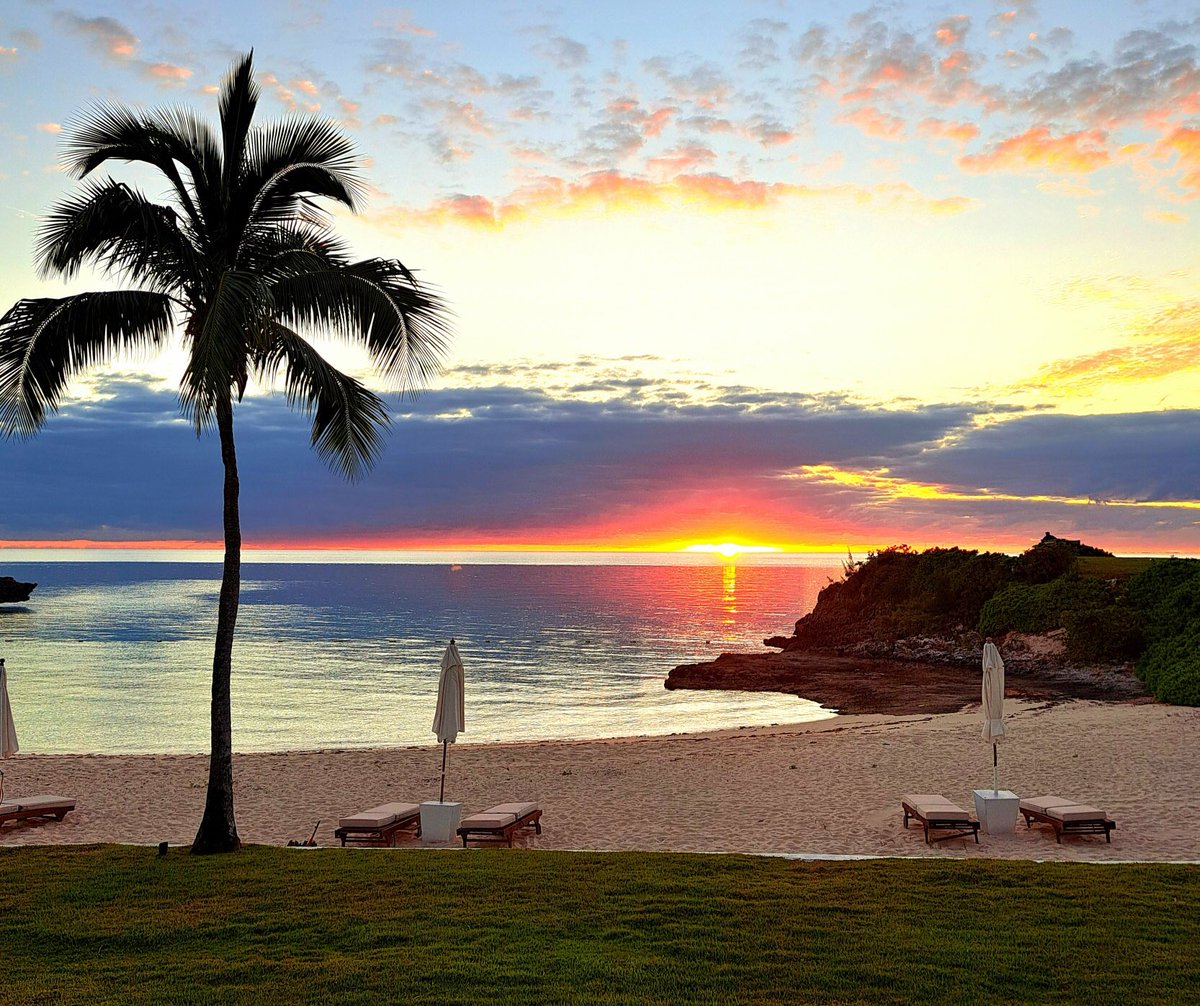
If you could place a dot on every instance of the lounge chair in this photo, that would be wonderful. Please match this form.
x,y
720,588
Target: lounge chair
x,y
1067,817
378,826
937,813
25,808
500,823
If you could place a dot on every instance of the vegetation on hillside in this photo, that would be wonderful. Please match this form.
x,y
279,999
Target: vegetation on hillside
x,y
1111,610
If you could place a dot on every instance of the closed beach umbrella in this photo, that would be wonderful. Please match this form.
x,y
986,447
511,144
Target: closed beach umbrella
x,y
450,716
8,730
993,704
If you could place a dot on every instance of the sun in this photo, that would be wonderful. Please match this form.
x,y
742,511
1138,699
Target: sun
x,y
728,549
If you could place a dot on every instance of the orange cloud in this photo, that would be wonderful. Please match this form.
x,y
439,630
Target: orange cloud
x,y
873,122
950,31
1169,344
606,191
1181,149
1037,150
1164,216
49,127
677,162
959,132
887,488
166,73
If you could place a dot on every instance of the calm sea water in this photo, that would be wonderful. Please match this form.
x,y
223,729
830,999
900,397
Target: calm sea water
x,y
116,656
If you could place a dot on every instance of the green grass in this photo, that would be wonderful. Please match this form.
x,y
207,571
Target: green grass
x,y
1116,567
115,924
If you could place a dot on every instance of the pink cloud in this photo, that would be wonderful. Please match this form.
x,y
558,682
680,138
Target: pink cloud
x,y
1037,150
873,122
941,129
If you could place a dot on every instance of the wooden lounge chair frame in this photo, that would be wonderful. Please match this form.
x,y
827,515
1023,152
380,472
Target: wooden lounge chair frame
x,y
374,834
963,827
1094,826
15,810
502,832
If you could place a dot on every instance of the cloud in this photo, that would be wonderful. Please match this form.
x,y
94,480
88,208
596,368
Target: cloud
x,y
622,459
951,31
614,191
495,461
563,52
1168,344
105,35
167,73
1179,153
874,122
1037,149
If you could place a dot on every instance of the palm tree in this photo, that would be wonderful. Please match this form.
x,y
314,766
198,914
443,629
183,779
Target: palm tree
x,y
241,261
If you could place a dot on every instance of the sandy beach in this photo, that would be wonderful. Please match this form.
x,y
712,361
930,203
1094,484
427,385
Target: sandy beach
x,y
825,788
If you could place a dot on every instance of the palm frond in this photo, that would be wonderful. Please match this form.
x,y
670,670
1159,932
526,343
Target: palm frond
x,y
348,419
239,99
378,304
45,342
293,158
163,139
118,228
222,341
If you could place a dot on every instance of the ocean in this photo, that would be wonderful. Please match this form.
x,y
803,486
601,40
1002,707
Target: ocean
x,y
116,656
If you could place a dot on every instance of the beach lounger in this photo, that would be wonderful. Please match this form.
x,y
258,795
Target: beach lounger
x,y
936,813
378,826
500,823
1066,817
25,808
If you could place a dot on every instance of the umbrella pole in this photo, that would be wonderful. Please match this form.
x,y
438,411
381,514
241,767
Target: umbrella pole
x,y
995,771
442,795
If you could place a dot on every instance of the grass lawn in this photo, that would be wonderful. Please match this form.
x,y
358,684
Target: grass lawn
x,y
1117,567
115,924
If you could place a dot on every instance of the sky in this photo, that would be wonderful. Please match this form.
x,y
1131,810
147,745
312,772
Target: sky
x,y
810,275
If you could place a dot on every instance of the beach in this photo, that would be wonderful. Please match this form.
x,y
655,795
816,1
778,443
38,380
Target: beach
x,y
827,788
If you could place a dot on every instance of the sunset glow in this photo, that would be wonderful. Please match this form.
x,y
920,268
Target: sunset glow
x,y
724,280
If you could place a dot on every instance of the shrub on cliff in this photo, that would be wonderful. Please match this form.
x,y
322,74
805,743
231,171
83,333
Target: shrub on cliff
x,y
1171,668
1103,635
1168,596
1040,607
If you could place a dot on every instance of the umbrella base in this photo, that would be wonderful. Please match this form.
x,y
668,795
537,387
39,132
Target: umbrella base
x,y
996,810
439,821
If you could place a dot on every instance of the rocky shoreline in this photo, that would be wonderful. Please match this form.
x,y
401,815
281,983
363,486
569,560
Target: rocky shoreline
x,y
914,675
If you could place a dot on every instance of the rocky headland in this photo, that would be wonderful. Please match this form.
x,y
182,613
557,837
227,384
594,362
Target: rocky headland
x,y
13,591
901,633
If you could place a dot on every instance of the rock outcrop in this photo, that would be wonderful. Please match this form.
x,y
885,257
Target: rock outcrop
x,y
12,591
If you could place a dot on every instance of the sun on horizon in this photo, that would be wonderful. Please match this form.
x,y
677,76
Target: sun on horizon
x,y
728,548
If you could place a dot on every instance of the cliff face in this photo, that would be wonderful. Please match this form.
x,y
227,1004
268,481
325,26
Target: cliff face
x,y
12,591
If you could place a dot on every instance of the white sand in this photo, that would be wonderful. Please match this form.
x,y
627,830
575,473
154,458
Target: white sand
x,y
832,787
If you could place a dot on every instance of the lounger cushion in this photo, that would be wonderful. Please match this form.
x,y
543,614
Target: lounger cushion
x,y
1075,812
487,821
933,807
946,812
1041,804
519,809
381,816
926,800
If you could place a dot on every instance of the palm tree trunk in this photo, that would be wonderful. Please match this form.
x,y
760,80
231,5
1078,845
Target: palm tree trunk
x,y
218,831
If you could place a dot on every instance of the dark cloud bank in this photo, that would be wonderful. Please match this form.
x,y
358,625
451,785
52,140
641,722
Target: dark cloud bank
x,y
468,462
